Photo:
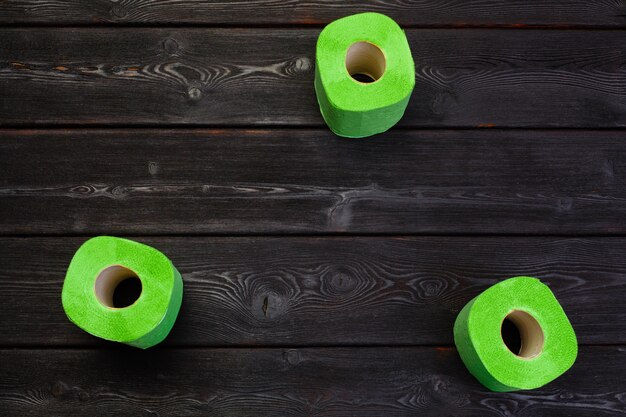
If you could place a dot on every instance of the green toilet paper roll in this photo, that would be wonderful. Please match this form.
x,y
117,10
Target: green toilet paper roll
x,y
548,342
96,270
368,47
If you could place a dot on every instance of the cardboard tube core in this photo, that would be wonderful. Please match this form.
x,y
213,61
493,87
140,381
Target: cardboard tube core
x,y
365,61
530,332
107,282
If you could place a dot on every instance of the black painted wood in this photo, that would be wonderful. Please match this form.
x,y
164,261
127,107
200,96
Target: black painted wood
x,y
278,325
425,381
190,76
326,291
559,13
309,181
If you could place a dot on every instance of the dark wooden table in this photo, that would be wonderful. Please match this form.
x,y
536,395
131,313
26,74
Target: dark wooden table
x,y
322,275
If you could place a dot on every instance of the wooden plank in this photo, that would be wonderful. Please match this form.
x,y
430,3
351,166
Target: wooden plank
x,y
237,77
310,182
559,13
285,382
326,291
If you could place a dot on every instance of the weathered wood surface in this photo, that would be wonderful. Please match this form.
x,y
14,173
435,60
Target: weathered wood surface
x,y
310,182
326,291
243,77
462,13
352,314
426,381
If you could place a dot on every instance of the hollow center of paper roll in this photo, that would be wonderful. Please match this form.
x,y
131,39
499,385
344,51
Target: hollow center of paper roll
x,y
117,287
522,326
365,62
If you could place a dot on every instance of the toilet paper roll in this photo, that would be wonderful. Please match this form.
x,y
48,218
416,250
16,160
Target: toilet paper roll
x,y
98,267
364,74
548,342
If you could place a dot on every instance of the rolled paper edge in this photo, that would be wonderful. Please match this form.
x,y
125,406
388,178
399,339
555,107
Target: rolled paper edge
x,y
468,354
165,326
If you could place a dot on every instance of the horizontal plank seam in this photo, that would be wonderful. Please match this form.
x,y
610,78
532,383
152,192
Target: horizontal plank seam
x,y
259,347
185,25
338,235
295,127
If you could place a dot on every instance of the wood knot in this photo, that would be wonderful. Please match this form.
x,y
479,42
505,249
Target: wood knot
x,y
292,356
342,282
338,281
429,287
297,65
303,64
170,46
269,306
564,204
119,192
440,384
153,168
82,190
194,93
58,389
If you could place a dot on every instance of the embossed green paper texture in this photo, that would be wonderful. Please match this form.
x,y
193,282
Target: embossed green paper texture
x,y
144,323
351,108
477,335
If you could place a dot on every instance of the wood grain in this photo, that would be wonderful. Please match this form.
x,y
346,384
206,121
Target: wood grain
x,y
362,382
330,305
462,13
311,182
326,291
245,77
